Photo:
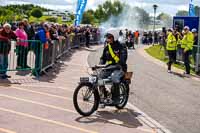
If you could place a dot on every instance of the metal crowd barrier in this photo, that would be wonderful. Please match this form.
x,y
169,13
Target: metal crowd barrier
x,y
94,38
80,40
76,41
195,57
20,56
57,48
35,56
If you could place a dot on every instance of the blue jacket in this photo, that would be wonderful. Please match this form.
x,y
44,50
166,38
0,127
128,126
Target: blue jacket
x,y
41,35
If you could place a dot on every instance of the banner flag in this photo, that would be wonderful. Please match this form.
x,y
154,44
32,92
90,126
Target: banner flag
x,y
191,9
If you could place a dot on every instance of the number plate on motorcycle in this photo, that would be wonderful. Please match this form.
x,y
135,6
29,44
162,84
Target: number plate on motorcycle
x,y
84,79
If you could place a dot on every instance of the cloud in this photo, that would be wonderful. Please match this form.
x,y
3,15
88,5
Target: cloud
x,y
168,6
52,4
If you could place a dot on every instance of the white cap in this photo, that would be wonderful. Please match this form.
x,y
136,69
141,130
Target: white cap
x,y
194,30
47,24
6,25
186,28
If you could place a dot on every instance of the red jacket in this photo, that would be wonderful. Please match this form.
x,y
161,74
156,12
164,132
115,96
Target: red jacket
x,y
5,44
7,36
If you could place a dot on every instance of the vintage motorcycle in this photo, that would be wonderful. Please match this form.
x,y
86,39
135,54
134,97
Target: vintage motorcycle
x,y
94,90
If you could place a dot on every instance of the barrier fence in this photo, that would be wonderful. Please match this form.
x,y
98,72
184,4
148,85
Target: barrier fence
x,y
194,58
32,55
20,56
197,58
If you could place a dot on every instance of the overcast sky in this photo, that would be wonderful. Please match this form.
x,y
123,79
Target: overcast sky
x,y
168,6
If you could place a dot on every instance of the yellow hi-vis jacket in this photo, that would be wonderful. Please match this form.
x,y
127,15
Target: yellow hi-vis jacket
x,y
187,41
171,42
113,55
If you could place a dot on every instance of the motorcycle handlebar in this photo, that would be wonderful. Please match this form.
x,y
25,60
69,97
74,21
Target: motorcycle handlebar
x,y
105,66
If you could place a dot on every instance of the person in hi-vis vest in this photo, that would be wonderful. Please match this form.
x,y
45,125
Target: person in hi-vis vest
x,y
187,47
173,39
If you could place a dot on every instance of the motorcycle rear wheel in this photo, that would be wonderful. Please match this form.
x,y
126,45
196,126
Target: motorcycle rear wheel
x,y
124,95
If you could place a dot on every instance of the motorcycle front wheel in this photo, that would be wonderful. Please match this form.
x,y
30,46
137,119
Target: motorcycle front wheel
x,y
86,99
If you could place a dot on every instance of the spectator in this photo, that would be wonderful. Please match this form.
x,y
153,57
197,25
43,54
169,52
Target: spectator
x,y
150,38
6,34
121,38
87,37
145,38
22,47
40,36
136,36
131,40
126,30
194,52
29,29
121,33
162,40
187,46
48,37
171,47
14,26
155,37
53,33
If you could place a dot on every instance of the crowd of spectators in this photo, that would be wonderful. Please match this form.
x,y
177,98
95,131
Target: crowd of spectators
x,y
22,32
129,37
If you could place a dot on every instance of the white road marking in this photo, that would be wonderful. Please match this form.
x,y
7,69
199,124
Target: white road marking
x,y
148,120
47,120
6,130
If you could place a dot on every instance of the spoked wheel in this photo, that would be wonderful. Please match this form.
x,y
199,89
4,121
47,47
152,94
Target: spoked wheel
x,y
86,100
124,95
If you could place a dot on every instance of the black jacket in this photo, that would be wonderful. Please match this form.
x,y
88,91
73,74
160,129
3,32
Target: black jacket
x,y
30,32
196,40
119,50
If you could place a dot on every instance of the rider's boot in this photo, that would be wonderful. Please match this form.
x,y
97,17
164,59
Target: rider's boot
x,y
116,94
103,97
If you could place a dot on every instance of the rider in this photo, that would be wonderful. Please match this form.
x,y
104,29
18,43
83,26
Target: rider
x,y
115,56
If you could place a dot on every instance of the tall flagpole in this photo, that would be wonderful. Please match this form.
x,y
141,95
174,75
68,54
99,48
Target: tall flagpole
x,y
191,8
81,4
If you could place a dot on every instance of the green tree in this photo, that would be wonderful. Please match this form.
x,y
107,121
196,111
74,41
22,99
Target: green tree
x,y
182,13
166,19
108,9
72,16
143,17
6,15
88,17
161,15
36,12
117,8
197,10
52,19
9,12
99,13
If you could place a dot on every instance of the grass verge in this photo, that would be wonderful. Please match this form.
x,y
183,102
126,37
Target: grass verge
x,y
158,52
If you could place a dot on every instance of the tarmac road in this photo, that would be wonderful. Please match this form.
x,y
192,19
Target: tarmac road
x,y
170,99
46,105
